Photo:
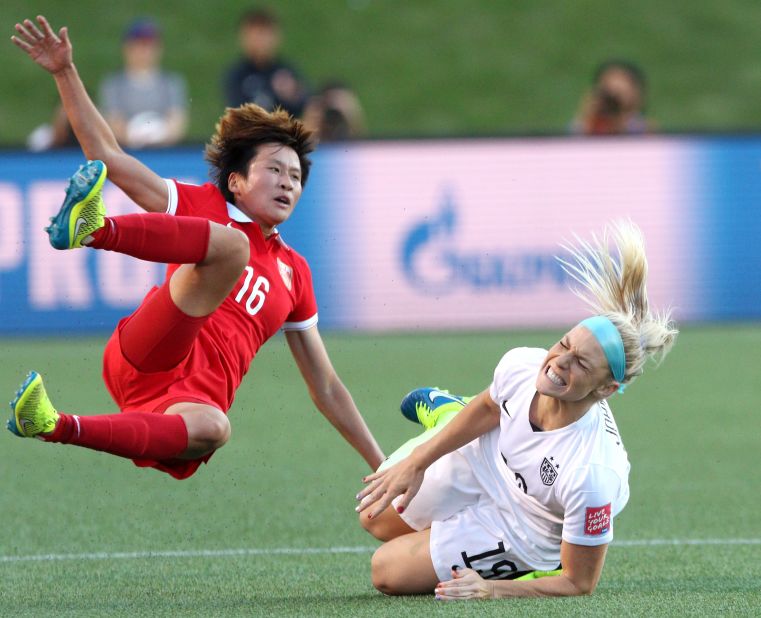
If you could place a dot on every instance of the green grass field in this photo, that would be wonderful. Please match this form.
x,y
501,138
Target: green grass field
x,y
268,527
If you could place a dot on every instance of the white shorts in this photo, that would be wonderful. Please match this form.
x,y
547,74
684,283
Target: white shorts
x,y
467,526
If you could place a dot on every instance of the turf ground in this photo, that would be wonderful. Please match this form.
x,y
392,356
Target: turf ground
x,y
268,528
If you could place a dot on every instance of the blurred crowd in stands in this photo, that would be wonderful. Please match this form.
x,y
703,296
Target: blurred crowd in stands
x,y
147,106
615,103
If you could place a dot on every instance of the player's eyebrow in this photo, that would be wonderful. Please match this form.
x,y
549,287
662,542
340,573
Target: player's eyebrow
x,y
281,163
581,357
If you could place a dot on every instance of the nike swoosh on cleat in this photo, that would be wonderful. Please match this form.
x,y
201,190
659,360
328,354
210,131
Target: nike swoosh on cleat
x,y
434,395
80,222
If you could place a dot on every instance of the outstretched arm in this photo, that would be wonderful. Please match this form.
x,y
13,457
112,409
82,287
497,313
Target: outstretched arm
x,y
330,395
404,478
53,52
582,567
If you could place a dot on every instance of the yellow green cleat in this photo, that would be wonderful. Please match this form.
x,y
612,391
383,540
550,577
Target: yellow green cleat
x,y
539,574
429,405
83,209
32,413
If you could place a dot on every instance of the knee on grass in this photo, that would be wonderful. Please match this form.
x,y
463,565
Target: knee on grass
x,y
384,575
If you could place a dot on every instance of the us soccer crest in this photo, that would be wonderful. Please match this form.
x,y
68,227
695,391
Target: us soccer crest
x,y
547,472
286,273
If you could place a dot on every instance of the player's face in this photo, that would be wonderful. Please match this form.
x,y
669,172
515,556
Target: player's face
x,y
269,191
574,367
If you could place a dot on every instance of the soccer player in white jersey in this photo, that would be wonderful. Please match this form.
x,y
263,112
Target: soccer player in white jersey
x,y
504,488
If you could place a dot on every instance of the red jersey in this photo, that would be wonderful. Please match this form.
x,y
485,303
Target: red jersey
x,y
274,292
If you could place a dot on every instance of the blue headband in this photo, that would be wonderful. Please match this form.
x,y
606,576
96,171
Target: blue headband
x,y
611,343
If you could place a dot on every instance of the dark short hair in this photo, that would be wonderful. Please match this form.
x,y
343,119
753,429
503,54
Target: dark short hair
x,y
143,28
635,73
259,17
242,130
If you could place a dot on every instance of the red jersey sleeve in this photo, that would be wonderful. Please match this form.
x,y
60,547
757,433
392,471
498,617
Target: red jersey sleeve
x,y
187,200
304,314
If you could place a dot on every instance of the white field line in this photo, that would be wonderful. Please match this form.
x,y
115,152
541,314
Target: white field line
x,y
677,542
300,551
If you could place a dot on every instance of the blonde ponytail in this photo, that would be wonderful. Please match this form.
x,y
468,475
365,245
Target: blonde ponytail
x,y
614,285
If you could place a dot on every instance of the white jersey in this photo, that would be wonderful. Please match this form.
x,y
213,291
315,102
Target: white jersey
x,y
568,483
502,503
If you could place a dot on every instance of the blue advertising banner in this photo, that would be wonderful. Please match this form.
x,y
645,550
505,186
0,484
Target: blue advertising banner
x,y
48,291
438,234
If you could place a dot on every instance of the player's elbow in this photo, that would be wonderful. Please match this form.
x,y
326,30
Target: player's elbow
x,y
582,587
584,591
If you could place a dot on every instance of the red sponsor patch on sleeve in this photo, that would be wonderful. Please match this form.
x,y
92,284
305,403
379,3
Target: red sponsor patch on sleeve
x,y
597,521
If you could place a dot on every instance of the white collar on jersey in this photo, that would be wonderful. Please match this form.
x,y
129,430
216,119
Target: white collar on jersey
x,y
236,214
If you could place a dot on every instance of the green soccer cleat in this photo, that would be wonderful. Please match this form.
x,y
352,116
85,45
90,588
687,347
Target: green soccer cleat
x,y
539,574
32,412
83,209
428,405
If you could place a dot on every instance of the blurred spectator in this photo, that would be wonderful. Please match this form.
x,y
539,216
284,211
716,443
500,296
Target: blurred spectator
x,y
616,102
335,113
144,105
56,134
260,76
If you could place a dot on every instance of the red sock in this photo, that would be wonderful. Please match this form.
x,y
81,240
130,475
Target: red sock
x,y
135,435
155,237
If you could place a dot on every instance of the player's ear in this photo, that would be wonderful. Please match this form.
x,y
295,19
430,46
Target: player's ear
x,y
606,390
232,182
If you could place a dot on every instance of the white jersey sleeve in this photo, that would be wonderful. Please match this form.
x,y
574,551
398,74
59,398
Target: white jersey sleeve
x,y
513,369
590,496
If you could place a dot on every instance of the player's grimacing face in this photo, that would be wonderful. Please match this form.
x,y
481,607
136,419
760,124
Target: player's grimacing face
x,y
574,367
269,191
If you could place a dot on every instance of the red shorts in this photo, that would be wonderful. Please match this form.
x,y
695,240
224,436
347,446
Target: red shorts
x,y
159,356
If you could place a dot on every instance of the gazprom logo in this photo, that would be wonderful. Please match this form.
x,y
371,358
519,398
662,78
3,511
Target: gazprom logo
x,y
434,260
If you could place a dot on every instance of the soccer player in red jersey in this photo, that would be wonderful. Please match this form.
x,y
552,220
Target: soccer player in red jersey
x,y
173,366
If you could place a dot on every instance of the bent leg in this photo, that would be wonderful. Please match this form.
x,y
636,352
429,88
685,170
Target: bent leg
x,y
388,525
160,334
405,449
215,254
184,431
208,428
198,289
404,565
